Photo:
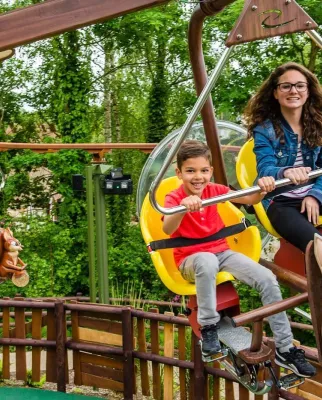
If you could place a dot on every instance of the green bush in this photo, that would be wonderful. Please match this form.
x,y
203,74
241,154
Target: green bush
x,y
56,258
250,300
131,262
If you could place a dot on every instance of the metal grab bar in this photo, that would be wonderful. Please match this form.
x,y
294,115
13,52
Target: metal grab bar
x,y
187,126
234,195
314,35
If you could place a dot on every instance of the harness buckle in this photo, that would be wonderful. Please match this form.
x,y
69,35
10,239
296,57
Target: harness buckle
x,y
246,222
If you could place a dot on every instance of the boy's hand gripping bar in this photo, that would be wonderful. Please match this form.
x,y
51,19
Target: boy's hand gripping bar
x,y
230,196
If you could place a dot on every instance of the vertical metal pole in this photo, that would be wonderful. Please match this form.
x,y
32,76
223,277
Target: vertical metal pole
x,y
101,240
90,232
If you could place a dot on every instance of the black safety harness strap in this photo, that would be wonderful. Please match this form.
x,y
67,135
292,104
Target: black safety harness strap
x,y
185,242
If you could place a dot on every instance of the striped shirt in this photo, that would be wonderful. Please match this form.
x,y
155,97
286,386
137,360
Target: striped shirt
x,y
302,191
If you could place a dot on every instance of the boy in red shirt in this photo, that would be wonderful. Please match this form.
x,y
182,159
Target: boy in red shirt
x,y
200,263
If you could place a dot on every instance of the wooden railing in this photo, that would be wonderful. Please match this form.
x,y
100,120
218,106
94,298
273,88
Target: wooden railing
x,y
118,348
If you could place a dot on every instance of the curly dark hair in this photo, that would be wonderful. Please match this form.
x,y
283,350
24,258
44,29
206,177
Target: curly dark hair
x,y
263,106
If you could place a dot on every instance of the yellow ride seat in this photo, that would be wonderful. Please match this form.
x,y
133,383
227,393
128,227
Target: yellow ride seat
x,y
247,242
246,172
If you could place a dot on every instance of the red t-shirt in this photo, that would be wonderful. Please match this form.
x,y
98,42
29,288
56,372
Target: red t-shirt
x,y
198,224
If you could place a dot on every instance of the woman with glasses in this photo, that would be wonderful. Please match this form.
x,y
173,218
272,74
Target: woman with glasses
x,y
285,119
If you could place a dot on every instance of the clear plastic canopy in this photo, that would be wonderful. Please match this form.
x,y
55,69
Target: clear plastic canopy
x,y
232,137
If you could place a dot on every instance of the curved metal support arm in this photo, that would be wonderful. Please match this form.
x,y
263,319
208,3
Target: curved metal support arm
x,y
315,37
269,309
291,279
200,76
186,127
230,196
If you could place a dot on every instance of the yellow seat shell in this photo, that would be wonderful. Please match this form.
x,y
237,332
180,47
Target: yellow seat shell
x,y
246,172
247,242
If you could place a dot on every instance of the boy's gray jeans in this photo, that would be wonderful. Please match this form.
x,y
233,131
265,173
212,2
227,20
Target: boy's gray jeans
x,y
202,269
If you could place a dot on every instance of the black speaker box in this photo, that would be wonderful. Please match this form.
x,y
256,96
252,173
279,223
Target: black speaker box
x,y
78,182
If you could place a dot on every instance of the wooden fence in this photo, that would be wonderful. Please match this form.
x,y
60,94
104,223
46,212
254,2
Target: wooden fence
x,y
121,349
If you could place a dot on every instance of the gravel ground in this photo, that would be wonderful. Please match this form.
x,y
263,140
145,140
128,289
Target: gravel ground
x,y
70,388
107,394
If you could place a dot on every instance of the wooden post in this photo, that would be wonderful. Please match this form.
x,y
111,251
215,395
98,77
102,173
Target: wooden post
x,y
128,369
143,364
60,320
6,334
273,393
182,356
168,352
21,362
243,393
36,321
51,352
199,371
154,328
216,383
191,372
314,280
76,353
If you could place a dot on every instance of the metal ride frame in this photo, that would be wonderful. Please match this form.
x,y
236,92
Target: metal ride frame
x,y
56,16
205,86
242,33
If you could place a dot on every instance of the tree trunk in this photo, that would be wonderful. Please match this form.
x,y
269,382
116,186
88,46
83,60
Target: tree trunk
x,y
107,102
116,118
313,55
158,98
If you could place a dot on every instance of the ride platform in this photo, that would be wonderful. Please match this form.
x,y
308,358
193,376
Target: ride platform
x,y
10,393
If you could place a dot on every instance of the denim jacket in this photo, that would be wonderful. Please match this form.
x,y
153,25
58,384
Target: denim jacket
x,y
274,157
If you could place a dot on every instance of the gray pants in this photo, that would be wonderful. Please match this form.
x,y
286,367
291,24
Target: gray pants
x,y
202,269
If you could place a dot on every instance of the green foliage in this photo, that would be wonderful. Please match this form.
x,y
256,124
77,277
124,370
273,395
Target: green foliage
x,y
1,371
250,300
251,63
29,382
77,390
71,83
130,262
55,256
125,80
128,291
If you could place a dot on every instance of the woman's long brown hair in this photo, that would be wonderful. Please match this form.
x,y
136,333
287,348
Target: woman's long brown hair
x,y
263,106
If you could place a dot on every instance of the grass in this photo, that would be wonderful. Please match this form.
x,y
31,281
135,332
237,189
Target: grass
x,y
128,291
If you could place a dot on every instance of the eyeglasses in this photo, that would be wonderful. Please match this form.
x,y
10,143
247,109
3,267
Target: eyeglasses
x,y
287,87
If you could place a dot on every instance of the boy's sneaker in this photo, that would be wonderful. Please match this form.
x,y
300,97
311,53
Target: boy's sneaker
x,y
209,343
295,360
